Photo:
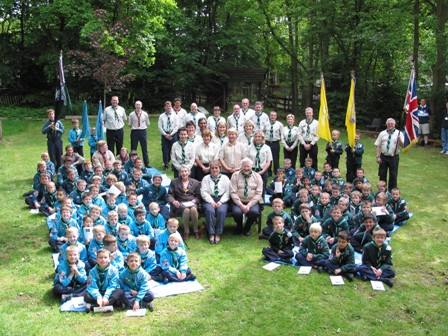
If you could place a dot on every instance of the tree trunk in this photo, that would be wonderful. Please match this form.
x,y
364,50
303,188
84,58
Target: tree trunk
x,y
416,36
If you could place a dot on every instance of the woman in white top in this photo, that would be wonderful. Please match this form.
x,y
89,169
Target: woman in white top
x,y
215,191
220,137
247,136
231,154
206,152
290,140
261,155
215,119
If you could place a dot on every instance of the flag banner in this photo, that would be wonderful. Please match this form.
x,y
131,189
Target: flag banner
x,y
62,104
323,129
411,109
350,117
85,122
99,123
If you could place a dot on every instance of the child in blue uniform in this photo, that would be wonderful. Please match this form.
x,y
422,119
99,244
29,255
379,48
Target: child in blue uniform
x,y
134,284
334,149
111,205
116,258
58,232
103,283
76,195
74,137
377,260
142,227
72,235
149,261
162,239
96,244
342,258
47,206
51,168
112,223
174,261
322,209
313,248
87,225
333,225
399,207
280,243
155,218
95,213
354,157
125,241
93,139
277,211
363,234
301,226
70,276
308,170
120,173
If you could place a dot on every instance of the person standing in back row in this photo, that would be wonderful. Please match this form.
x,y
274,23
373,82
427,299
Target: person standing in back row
x,y
308,138
388,146
139,122
114,117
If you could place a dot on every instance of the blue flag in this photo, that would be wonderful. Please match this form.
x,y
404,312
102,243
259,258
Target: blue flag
x,y
99,123
85,122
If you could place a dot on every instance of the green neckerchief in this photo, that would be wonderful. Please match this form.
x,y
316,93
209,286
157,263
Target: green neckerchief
x,y
289,133
182,145
216,182
102,275
249,138
389,139
257,158
246,184
174,256
308,128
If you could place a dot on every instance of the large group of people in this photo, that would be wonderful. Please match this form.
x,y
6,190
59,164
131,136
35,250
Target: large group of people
x,y
110,213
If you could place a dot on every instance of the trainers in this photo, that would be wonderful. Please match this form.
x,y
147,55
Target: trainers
x,y
262,236
89,308
165,168
442,151
165,280
149,306
446,153
190,277
363,277
389,282
350,276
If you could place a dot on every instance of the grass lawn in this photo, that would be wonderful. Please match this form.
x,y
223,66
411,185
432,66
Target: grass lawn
x,y
240,298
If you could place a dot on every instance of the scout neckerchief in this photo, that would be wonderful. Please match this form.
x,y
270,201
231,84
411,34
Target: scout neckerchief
x,y
237,117
74,282
280,239
221,138
168,122
249,138
138,117
341,260
316,244
140,226
123,243
155,222
192,138
102,277
116,114
104,155
173,254
216,181
289,133
182,145
246,184
257,158
389,139
113,229
258,120
194,116
308,128
133,274
244,111
271,131
379,258
216,121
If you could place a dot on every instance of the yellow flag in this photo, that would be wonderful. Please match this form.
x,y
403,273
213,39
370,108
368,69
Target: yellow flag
x,y
350,118
323,129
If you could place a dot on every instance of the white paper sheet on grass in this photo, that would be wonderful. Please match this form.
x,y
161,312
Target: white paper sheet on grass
x,y
174,288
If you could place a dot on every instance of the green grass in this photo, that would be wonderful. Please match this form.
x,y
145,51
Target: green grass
x,y
240,297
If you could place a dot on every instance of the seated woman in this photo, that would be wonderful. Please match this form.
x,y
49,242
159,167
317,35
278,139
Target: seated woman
x,y
184,196
205,153
215,191
246,138
246,188
231,154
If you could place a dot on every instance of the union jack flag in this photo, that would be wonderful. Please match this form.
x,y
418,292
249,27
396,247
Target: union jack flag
x,y
411,107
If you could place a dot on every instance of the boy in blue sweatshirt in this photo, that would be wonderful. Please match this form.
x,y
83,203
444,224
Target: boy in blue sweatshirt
x,y
93,139
125,241
96,244
58,231
70,276
162,239
142,227
116,258
134,284
103,283
74,137
149,261
174,261
72,235
155,218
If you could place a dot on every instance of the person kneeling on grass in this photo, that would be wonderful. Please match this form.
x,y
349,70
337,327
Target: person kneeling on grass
x,y
102,285
377,260
280,243
342,258
174,261
134,283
